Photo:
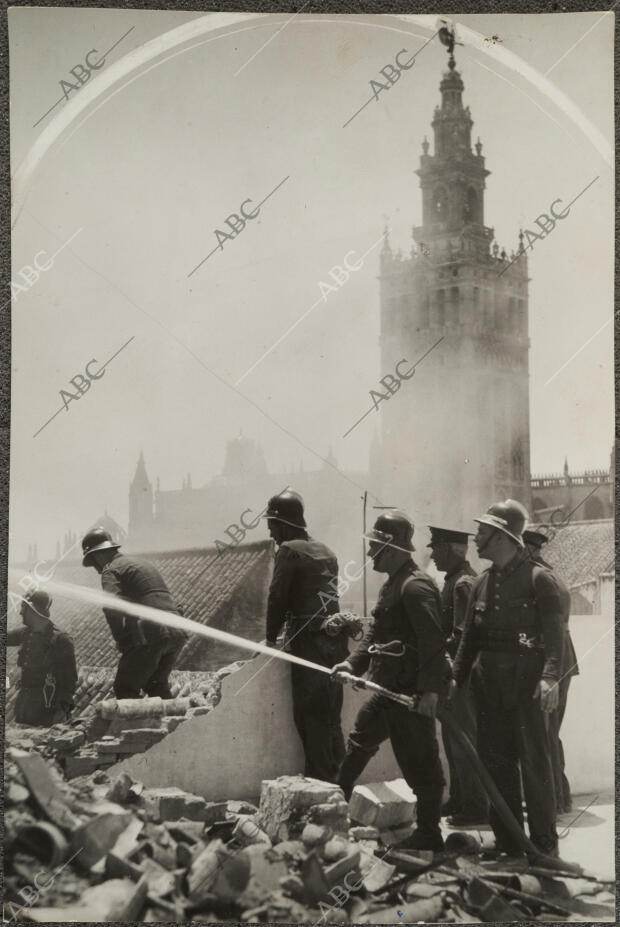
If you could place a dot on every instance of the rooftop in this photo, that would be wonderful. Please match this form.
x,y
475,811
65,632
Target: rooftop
x,y
219,589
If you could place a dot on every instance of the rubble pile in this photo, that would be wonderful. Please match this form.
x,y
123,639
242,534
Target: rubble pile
x,y
103,848
113,730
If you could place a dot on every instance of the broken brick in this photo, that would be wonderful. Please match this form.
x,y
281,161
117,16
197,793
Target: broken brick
x,y
97,836
383,805
172,804
284,800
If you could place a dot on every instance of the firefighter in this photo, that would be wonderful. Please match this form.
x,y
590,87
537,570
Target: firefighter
x,y
534,541
47,662
303,595
148,650
468,805
404,651
512,644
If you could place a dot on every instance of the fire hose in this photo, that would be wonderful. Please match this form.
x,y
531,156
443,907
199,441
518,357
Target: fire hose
x,y
470,753
159,616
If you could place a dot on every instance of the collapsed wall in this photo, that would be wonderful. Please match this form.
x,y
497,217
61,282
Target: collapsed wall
x,y
248,736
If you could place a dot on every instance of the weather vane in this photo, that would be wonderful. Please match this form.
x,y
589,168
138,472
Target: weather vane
x,y
447,37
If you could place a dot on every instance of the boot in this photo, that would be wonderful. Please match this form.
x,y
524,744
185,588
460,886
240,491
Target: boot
x,y
427,835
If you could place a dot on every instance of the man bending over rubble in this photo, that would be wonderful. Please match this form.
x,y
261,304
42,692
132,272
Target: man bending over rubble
x,y
404,649
148,650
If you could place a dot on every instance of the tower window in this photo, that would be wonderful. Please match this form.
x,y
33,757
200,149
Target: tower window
x,y
470,207
440,203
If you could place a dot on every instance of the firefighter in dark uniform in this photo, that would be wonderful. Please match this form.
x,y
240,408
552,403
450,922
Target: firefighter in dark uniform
x,y
47,662
404,651
468,804
534,541
512,643
303,595
148,650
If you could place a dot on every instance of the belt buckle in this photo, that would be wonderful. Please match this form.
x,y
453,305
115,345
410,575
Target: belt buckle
x,y
528,642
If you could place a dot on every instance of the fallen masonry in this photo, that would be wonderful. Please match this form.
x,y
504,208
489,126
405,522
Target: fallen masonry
x,y
101,847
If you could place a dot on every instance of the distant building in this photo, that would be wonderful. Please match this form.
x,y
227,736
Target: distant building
x,y
585,496
226,510
456,437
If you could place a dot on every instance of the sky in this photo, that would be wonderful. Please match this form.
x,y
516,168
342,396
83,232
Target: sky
x,y
131,196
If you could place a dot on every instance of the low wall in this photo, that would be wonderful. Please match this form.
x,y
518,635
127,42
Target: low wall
x,y
249,736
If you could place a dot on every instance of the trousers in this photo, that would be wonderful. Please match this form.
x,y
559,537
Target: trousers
x,y
317,704
147,668
415,747
554,722
512,737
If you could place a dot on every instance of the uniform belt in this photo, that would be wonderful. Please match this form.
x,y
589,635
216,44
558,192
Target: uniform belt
x,y
522,644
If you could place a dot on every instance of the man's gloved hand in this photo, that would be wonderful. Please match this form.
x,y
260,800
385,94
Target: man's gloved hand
x,y
549,694
344,667
428,704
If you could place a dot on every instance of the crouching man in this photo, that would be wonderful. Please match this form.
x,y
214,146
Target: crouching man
x,y
404,651
47,662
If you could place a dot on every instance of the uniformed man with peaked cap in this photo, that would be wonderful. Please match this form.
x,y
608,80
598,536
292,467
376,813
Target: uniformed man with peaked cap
x,y
467,805
404,651
512,644
534,541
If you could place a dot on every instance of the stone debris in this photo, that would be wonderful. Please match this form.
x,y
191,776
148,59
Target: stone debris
x,y
121,852
384,805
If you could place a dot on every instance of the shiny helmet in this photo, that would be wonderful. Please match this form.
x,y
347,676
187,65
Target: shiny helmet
x,y
509,517
288,508
96,539
394,529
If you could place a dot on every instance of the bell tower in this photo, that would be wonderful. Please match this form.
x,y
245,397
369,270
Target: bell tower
x,y
456,436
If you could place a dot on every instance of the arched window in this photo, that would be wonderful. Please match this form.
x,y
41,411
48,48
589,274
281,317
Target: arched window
x,y
470,206
440,203
593,509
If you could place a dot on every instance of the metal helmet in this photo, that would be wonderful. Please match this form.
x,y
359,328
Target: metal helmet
x,y
96,539
394,529
288,508
509,517
39,601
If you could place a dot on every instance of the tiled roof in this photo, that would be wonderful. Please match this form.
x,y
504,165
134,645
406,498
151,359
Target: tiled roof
x,y
214,590
581,550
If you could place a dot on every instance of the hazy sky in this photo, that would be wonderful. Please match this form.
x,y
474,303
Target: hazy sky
x,y
146,180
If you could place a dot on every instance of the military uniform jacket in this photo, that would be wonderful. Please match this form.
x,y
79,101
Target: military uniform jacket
x,y
138,581
304,585
408,613
454,600
46,658
513,632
